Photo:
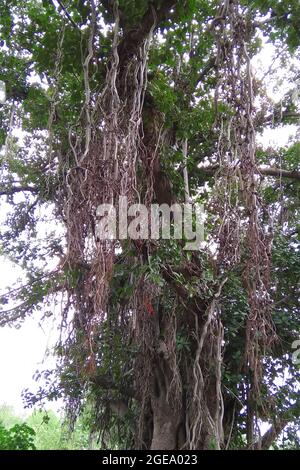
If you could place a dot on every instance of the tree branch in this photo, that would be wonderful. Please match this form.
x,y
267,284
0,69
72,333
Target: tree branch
x,y
270,171
134,38
19,189
279,424
279,118
67,14
274,17
107,383
211,64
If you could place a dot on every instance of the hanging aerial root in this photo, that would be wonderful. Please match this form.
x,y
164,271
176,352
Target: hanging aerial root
x,y
204,419
103,159
241,236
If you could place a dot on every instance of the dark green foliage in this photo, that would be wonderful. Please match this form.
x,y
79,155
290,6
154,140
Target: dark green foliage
x,y
18,437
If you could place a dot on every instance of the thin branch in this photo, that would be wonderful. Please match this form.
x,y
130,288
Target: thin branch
x,y
279,118
211,64
278,173
270,171
274,17
19,189
279,53
38,279
279,424
67,14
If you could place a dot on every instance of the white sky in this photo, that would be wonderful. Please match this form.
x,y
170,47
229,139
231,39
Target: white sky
x,y
22,351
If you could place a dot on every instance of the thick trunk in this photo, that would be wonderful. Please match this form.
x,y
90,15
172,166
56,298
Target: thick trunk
x,y
169,431
165,412
183,424
165,428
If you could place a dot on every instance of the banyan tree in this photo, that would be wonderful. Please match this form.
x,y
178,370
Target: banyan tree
x,y
159,102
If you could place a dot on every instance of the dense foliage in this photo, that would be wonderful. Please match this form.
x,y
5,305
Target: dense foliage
x,y
42,430
156,100
19,437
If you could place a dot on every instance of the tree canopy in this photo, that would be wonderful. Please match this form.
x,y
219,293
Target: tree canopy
x,y
157,101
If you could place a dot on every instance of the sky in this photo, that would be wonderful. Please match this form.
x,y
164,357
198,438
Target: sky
x,y
23,351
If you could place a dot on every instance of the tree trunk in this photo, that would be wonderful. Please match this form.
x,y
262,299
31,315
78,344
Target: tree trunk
x,y
165,426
